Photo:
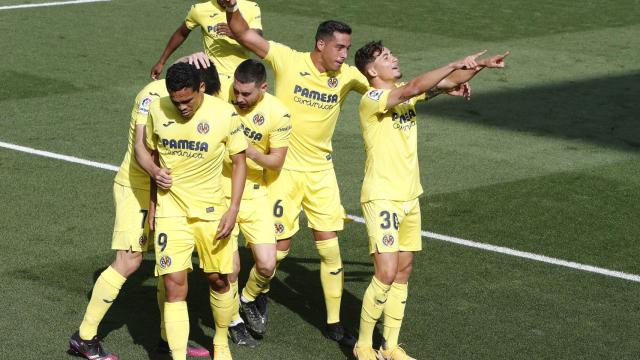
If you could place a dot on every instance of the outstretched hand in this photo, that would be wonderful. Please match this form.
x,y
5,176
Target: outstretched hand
x,y
496,61
200,60
469,62
156,70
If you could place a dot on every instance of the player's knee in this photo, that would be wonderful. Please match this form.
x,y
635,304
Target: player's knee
x,y
266,267
386,274
175,288
127,262
218,282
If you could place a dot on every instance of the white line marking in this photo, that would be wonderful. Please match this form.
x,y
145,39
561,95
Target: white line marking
x,y
72,2
427,234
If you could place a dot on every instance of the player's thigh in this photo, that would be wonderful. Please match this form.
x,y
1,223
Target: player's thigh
x,y
321,202
216,255
256,223
285,199
131,228
383,224
411,226
173,244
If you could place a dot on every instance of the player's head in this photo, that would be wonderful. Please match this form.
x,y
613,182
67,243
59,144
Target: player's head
x,y
374,60
211,80
185,87
249,83
333,40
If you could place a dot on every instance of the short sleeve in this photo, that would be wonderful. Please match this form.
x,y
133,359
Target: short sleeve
x,y
254,17
359,81
279,135
374,102
278,56
191,21
150,136
236,142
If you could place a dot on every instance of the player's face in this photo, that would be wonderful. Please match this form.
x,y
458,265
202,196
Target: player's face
x,y
247,95
387,66
335,50
187,101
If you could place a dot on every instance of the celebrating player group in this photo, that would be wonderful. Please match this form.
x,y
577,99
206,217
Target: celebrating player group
x,y
212,153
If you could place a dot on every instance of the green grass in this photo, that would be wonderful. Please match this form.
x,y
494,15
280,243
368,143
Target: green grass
x,y
544,159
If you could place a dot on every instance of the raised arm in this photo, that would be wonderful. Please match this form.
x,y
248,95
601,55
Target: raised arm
x,y
247,37
178,37
462,76
428,80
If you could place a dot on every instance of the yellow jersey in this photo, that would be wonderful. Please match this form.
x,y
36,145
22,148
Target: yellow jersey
x,y
391,170
130,173
194,150
314,99
266,126
225,52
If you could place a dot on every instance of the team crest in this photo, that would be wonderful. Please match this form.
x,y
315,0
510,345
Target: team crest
x,y
143,108
165,262
388,240
258,119
142,240
375,94
279,228
332,82
203,128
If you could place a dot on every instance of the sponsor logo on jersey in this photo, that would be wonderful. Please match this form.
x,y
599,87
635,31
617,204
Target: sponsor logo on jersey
x,y
168,123
143,108
165,262
258,119
304,73
279,228
332,82
203,127
250,133
185,145
388,240
375,94
404,121
315,95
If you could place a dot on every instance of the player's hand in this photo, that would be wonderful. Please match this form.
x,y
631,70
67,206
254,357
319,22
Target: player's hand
x,y
163,178
199,60
251,152
227,222
463,90
224,30
496,61
156,70
468,63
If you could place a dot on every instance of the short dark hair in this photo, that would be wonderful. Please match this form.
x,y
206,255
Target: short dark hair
x,y
367,54
209,76
327,28
251,71
182,75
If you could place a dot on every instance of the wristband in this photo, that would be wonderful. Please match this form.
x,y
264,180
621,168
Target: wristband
x,y
232,9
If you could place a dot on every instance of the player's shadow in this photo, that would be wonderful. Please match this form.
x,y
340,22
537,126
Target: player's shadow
x,y
136,308
601,110
296,287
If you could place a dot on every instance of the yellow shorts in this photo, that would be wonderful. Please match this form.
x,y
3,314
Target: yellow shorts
x,y
393,226
255,221
175,239
131,228
315,192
